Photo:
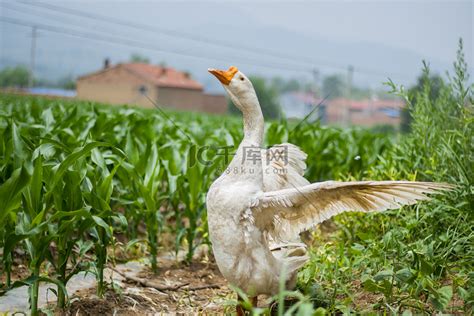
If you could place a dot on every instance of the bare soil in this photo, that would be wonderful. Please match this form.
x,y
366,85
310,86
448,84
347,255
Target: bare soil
x,y
19,269
135,299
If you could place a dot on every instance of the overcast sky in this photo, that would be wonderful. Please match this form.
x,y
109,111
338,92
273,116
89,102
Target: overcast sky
x,y
388,37
430,28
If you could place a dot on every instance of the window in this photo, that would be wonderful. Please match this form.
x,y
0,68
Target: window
x,y
142,89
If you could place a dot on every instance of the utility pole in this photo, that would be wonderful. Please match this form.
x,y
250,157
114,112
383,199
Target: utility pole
x,y
372,99
347,109
316,81
315,91
32,56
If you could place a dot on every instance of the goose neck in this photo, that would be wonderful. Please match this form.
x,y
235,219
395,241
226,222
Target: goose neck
x,y
253,125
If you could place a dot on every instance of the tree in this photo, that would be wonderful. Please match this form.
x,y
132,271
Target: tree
x,y
432,84
292,85
67,82
137,58
267,96
14,77
334,86
282,85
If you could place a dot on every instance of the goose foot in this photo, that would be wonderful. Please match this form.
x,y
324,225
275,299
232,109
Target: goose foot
x,y
240,310
287,303
254,301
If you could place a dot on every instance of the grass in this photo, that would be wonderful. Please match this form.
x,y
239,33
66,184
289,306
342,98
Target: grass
x,y
418,259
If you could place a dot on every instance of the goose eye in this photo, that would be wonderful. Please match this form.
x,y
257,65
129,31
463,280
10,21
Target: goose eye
x,y
242,79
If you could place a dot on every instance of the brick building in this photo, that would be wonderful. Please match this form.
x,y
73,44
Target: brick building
x,y
368,112
342,111
130,83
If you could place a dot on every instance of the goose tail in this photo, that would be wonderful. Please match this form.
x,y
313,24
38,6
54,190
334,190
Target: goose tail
x,y
292,256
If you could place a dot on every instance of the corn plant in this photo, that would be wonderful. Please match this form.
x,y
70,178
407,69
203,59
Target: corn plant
x,y
98,196
145,178
192,194
10,195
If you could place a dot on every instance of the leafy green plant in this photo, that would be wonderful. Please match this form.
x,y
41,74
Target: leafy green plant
x,y
417,258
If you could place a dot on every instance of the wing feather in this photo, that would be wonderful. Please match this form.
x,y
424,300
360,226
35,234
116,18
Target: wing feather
x,y
283,167
287,212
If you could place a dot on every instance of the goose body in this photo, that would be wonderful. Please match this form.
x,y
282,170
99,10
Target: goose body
x,y
241,249
259,205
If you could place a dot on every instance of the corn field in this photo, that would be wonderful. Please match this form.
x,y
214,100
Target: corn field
x,y
76,173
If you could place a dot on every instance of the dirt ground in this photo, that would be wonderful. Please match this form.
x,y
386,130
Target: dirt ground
x,y
202,289
177,289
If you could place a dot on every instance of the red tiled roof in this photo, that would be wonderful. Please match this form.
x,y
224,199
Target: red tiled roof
x,y
159,76
163,76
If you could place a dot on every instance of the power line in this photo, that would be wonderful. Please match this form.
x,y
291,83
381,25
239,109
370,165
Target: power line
x,y
215,42
133,43
154,29
163,113
50,16
250,60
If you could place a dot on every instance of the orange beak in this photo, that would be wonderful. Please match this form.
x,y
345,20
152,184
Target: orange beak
x,y
224,76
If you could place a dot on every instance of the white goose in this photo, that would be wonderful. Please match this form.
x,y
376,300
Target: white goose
x,y
259,202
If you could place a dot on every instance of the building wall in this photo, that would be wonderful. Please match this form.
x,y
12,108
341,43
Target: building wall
x,y
118,86
364,112
115,86
335,113
373,119
214,103
180,99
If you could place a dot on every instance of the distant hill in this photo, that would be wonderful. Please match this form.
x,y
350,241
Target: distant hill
x,y
59,55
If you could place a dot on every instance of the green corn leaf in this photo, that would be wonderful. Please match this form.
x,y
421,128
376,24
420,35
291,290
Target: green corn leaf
x,y
100,222
71,159
47,143
10,191
133,242
36,185
78,213
11,242
19,149
106,187
130,149
121,219
98,159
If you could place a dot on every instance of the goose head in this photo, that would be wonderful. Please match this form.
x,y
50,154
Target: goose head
x,y
238,87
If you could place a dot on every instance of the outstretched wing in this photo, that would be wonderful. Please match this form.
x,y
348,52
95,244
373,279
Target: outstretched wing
x,y
285,213
283,167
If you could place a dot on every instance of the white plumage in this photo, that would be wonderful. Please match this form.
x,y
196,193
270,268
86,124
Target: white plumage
x,y
258,207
